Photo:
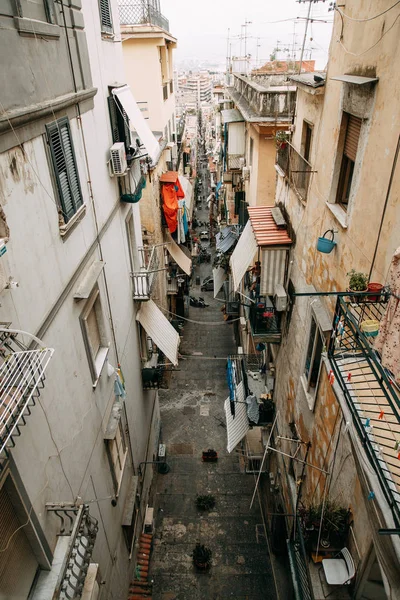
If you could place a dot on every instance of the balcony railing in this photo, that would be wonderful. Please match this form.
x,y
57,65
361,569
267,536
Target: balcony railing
x,y
142,12
298,561
234,162
22,376
369,391
143,280
296,168
153,371
265,321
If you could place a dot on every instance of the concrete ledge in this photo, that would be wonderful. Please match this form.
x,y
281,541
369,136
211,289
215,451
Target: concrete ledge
x,y
33,27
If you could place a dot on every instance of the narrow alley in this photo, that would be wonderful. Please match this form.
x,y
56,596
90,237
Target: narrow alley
x,y
193,420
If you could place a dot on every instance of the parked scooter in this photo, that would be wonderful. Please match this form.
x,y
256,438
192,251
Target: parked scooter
x,y
198,302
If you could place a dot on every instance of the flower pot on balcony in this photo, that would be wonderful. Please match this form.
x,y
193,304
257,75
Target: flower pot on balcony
x,y
375,287
326,245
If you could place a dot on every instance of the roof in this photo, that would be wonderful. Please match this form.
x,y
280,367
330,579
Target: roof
x,y
265,229
310,79
355,79
283,66
231,115
169,177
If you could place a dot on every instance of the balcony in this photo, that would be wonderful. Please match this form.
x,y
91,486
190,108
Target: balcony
x,y
296,168
369,390
152,372
22,376
265,321
144,279
142,12
235,162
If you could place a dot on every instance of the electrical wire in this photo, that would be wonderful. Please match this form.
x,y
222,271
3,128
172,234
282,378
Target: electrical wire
x,y
369,18
371,47
199,322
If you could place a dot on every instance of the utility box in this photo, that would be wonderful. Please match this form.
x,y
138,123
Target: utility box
x,y
280,298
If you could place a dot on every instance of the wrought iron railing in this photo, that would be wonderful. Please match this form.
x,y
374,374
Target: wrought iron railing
x,y
142,12
298,559
265,320
296,168
144,279
22,376
369,390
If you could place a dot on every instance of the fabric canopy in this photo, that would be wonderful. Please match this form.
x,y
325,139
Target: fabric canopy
x,y
188,191
219,278
273,269
157,326
171,192
243,255
137,122
177,254
237,426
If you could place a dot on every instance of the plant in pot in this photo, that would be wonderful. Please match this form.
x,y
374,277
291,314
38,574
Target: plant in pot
x,y
205,502
202,557
358,282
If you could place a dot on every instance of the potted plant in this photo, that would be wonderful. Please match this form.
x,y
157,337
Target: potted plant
x,y
210,455
205,502
202,557
375,287
358,282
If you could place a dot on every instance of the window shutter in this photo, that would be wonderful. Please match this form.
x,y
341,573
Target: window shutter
x,y
352,137
59,135
112,108
105,16
119,122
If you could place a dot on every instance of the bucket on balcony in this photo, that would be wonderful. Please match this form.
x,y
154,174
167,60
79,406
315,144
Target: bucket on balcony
x,y
326,245
375,287
370,327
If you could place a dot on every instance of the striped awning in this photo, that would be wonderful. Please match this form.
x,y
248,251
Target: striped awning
x,y
243,255
273,269
219,276
236,426
157,326
177,254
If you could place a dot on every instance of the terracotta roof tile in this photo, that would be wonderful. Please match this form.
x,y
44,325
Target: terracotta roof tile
x,y
265,229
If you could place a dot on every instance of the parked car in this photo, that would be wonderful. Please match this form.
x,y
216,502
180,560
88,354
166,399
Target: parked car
x,y
208,284
204,235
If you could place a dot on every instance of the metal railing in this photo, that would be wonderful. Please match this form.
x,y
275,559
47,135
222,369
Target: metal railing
x,y
369,391
142,12
302,586
143,280
296,168
265,320
235,162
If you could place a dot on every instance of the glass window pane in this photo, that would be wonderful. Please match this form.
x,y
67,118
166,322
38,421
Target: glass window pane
x,y
313,330
316,362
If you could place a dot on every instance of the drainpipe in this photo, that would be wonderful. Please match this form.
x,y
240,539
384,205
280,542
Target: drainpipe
x,y
389,189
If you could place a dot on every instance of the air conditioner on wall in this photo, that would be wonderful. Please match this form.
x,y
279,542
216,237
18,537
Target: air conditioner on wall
x,y
118,159
246,173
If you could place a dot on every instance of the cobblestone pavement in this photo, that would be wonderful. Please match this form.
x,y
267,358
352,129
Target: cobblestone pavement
x,y
193,420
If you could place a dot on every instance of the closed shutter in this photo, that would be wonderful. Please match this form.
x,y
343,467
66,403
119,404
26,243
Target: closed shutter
x,y
119,122
112,108
18,564
105,16
66,172
352,137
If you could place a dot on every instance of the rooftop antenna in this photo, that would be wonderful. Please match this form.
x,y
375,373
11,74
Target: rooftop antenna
x,y
305,31
246,23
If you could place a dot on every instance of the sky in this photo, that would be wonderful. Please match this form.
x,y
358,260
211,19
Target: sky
x,y
201,27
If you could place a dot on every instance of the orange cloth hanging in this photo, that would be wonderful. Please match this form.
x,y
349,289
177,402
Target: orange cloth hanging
x,y
171,192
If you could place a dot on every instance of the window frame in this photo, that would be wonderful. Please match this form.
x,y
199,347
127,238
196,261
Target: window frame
x,y
120,429
312,392
106,30
77,204
96,362
346,165
306,139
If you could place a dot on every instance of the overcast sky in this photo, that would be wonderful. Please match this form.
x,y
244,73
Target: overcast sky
x,y
201,27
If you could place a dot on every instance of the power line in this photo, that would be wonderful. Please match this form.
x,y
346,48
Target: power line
x,y
369,18
373,46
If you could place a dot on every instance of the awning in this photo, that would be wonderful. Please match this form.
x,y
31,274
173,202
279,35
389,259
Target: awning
x,y
236,426
188,191
177,254
231,115
273,270
219,276
159,329
226,238
137,122
243,255
356,79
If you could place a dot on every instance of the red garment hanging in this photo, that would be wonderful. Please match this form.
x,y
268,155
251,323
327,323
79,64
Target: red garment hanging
x,y
171,192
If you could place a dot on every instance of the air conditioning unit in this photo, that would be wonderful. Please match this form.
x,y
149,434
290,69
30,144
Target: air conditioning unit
x,y
280,297
246,173
118,159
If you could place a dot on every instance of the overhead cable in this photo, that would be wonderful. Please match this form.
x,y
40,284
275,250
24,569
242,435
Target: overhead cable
x,y
369,18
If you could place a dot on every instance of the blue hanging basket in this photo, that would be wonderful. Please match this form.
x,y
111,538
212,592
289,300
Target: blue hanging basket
x,y
326,245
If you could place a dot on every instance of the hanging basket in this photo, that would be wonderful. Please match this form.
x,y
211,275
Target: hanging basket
x,y
370,327
326,245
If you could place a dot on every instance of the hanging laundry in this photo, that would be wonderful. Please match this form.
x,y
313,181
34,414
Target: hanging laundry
x,y
119,389
231,384
253,409
171,192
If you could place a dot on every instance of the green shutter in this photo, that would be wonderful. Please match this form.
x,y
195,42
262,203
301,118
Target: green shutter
x,y
105,16
64,162
112,108
119,122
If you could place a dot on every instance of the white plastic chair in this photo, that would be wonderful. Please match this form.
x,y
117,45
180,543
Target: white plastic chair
x,y
339,571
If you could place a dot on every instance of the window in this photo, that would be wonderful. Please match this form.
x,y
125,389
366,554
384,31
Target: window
x,y
65,169
115,438
119,122
105,16
39,10
94,334
306,137
165,91
251,152
352,127
320,328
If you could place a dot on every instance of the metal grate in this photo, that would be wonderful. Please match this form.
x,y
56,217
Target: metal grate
x,y
142,12
372,396
296,168
22,375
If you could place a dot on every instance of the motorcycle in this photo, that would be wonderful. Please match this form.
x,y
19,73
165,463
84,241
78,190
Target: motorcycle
x,y
198,302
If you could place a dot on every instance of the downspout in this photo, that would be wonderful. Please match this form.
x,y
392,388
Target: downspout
x,y
389,189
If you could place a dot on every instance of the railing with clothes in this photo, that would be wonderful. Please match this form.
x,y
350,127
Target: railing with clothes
x,y
142,12
369,390
143,280
296,168
265,319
